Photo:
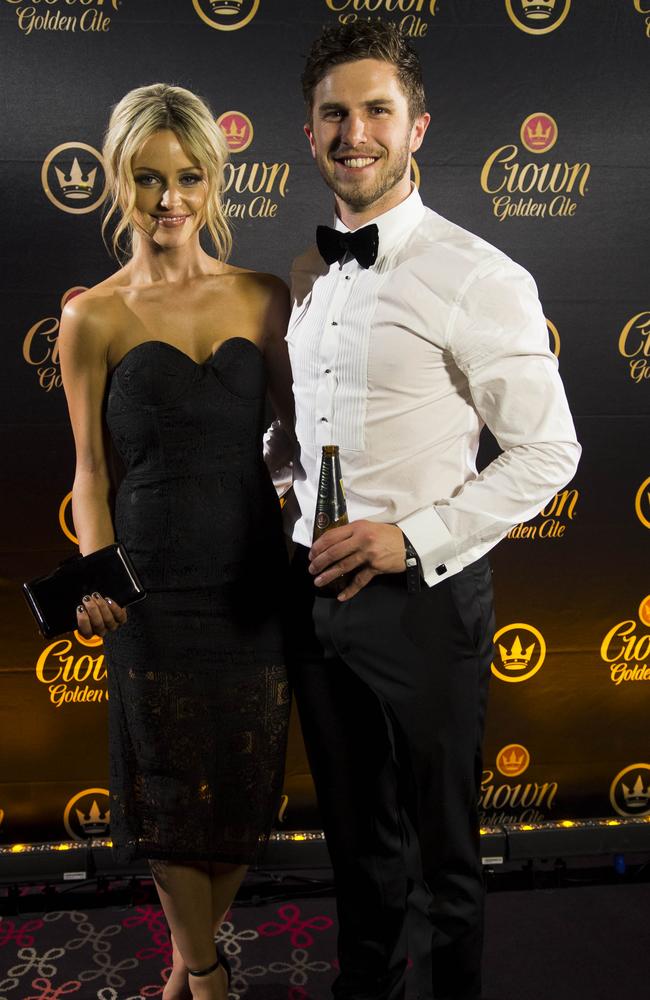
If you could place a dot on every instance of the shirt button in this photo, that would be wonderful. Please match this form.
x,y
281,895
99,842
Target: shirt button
x,y
328,371
323,420
347,277
334,323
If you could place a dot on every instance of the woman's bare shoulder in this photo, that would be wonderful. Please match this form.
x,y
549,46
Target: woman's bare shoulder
x,y
89,318
264,287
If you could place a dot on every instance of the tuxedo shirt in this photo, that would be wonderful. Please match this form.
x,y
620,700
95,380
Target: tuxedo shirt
x,y
402,364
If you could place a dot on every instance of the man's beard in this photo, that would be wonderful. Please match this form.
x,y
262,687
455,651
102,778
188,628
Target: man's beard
x,y
356,194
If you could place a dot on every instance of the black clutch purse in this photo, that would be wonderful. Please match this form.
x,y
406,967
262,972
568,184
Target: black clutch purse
x,y
53,599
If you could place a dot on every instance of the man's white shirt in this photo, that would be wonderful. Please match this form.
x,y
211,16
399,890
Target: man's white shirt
x,y
402,364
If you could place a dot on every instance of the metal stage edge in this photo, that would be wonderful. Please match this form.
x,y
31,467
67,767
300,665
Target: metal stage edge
x,y
70,861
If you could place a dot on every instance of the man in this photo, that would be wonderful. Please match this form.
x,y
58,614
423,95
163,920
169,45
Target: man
x,y
405,338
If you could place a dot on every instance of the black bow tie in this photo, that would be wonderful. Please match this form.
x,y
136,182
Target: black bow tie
x,y
362,244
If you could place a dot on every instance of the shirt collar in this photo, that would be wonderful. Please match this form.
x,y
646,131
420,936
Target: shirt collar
x,y
395,224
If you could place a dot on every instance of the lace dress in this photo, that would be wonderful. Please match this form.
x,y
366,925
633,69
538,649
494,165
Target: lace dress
x,y
198,696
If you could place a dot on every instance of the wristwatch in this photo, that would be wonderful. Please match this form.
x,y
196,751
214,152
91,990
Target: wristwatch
x,y
413,568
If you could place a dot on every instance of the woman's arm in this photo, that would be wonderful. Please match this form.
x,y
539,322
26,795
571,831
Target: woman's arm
x,y
276,319
279,440
83,356
82,351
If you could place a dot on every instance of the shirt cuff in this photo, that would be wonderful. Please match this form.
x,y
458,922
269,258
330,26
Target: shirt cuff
x,y
278,451
434,544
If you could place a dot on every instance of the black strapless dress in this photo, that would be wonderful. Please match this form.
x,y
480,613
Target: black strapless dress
x,y
198,696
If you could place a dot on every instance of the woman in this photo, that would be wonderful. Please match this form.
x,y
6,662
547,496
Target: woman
x,y
169,359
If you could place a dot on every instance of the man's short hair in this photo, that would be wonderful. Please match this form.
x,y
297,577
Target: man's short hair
x,y
365,40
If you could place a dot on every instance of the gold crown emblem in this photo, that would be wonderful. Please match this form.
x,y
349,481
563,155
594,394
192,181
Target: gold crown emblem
x,y
512,761
234,133
237,129
228,7
95,823
73,185
637,796
518,657
538,136
538,10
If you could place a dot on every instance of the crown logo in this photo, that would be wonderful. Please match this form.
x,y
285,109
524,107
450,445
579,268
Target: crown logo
x,y
513,760
538,136
229,7
73,185
518,657
234,134
636,797
95,823
237,129
538,10
538,132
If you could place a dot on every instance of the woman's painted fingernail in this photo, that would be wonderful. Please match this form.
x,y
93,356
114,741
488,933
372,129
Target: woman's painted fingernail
x,y
81,609
96,595
87,599
108,600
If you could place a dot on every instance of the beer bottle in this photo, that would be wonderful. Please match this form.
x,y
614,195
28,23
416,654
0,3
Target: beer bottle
x,y
331,509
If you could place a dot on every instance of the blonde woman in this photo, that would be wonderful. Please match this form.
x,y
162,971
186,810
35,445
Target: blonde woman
x,y
167,363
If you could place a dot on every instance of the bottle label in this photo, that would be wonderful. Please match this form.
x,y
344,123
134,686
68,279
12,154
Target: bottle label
x,y
322,520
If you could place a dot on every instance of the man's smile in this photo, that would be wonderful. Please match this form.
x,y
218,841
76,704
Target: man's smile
x,y
356,161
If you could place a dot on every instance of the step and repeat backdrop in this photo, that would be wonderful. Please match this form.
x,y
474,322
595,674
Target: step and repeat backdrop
x,y
539,143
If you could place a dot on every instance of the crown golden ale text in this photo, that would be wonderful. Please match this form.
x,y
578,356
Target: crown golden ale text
x,y
626,652
63,15
262,180
412,22
634,344
71,679
560,510
509,181
515,803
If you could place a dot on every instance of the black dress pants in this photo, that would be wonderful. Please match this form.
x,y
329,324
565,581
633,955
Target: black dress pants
x,y
392,690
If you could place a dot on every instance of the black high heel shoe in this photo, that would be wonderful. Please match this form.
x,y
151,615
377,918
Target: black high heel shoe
x,y
220,961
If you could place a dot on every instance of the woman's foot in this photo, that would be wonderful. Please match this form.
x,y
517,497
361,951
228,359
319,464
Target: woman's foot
x,y
214,986
177,986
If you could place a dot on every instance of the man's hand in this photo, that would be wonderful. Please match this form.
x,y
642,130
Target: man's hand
x,y
363,548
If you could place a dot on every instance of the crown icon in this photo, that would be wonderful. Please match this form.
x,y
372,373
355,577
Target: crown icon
x,y
233,133
538,10
518,658
73,185
511,763
636,797
538,136
95,823
228,7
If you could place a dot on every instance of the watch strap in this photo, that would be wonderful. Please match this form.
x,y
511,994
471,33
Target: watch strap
x,y
413,568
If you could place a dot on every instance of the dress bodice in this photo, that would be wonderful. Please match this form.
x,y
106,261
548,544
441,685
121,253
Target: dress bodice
x,y
196,500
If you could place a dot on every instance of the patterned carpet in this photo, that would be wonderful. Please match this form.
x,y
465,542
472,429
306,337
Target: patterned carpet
x,y
286,950
581,943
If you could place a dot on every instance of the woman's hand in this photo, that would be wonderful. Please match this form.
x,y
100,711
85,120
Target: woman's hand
x,y
97,615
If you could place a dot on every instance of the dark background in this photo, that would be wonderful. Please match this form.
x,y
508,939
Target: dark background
x,y
485,72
